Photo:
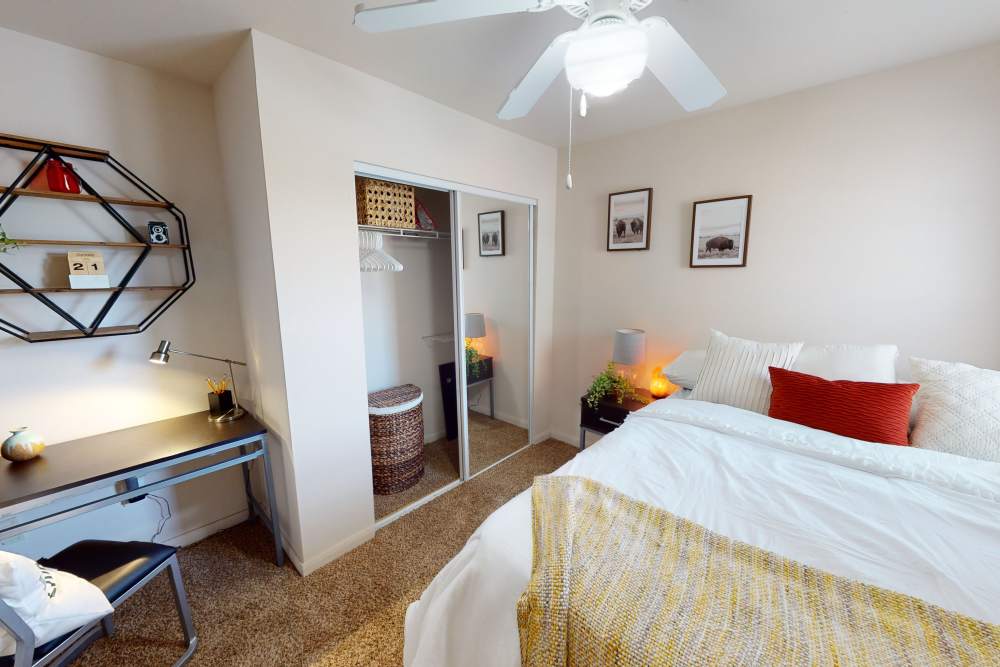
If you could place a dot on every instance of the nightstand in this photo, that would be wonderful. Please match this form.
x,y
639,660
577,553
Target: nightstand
x,y
609,414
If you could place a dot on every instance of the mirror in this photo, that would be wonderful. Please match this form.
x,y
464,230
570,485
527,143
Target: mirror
x,y
496,276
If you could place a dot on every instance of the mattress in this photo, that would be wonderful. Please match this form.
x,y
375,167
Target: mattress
x,y
915,521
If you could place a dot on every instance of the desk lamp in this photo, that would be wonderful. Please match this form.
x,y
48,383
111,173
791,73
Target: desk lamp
x,y
162,355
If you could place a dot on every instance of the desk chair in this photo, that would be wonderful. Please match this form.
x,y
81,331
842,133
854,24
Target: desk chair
x,y
119,569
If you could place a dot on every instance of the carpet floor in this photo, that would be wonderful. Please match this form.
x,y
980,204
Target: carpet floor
x,y
492,439
350,612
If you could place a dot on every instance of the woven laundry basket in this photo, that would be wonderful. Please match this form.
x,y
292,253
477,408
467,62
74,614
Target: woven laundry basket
x,y
396,423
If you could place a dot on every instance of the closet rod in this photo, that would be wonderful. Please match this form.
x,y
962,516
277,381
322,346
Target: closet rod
x,y
410,233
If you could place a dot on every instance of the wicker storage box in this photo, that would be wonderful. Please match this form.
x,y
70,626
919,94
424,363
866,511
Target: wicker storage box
x,y
385,204
396,423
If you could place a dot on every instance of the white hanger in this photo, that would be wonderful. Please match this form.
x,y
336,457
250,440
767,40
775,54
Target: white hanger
x,y
372,257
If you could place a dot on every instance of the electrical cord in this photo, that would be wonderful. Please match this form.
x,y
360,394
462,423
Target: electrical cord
x,y
165,514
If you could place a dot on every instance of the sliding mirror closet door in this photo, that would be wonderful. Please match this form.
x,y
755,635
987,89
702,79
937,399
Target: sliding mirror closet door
x,y
496,286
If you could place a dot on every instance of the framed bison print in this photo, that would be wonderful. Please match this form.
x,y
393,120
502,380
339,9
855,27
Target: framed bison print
x,y
720,232
629,217
491,240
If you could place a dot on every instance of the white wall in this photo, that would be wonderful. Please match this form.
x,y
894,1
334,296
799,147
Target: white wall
x,y
162,129
875,220
316,118
400,309
238,121
498,287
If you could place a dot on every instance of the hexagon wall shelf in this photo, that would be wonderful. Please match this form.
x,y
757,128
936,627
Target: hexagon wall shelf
x,y
50,150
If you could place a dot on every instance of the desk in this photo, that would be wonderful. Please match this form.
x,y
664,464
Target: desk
x,y
66,470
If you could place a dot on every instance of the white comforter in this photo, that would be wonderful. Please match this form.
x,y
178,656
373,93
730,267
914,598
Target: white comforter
x,y
915,521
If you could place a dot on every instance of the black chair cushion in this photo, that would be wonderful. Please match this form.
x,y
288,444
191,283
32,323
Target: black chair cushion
x,y
40,651
114,567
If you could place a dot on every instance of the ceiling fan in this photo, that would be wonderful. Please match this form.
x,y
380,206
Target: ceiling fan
x,y
602,57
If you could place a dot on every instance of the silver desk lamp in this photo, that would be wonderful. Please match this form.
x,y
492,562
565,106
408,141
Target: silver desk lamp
x,y
162,355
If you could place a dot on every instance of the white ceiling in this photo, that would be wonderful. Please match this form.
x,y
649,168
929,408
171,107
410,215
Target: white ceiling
x,y
757,48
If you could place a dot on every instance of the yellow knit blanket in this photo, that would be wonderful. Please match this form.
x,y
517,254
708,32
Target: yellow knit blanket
x,y
617,582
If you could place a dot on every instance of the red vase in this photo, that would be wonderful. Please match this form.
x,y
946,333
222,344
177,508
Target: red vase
x,y
61,177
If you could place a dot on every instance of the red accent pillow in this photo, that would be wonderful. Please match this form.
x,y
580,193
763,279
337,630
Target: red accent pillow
x,y
871,411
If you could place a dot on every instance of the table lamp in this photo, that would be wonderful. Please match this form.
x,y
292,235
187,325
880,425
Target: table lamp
x,y
475,325
161,355
630,349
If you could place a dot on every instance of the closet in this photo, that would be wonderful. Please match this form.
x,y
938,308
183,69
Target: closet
x,y
446,283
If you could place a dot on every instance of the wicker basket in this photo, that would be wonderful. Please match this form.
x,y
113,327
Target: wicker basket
x,y
396,423
385,204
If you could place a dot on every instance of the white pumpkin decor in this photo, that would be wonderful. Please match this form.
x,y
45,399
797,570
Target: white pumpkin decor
x,y
22,445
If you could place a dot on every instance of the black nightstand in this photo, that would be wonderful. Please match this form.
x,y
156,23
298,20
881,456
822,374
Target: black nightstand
x,y
609,414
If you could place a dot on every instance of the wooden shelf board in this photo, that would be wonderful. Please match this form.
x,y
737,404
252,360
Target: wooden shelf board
x,y
39,336
69,196
130,288
70,150
96,244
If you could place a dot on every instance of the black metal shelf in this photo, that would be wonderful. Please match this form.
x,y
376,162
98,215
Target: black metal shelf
x,y
46,151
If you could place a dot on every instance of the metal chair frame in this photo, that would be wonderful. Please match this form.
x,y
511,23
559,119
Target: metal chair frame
x,y
75,643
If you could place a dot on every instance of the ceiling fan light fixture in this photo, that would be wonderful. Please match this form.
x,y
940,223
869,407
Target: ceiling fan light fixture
x,y
603,60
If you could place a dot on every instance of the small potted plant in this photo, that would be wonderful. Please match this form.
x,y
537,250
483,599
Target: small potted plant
x,y
6,243
610,381
220,399
476,365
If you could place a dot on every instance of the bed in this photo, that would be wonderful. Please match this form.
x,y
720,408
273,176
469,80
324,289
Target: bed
x,y
920,522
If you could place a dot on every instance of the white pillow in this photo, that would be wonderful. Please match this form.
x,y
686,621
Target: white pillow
x,y
684,370
735,371
959,409
859,363
51,602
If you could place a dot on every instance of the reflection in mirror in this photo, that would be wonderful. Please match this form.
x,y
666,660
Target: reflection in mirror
x,y
496,276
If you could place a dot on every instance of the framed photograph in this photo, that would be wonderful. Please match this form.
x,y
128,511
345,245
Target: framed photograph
x,y
491,239
720,231
629,216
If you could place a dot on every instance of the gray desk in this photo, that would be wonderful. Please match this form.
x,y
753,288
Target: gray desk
x,y
65,471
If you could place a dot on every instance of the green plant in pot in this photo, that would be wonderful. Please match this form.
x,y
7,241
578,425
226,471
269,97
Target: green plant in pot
x,y
612,382
472,360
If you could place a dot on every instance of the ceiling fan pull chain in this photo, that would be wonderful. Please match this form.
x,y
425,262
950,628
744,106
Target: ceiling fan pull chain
x,y
569,150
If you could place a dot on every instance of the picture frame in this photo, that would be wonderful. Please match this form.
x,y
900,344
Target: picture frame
x,y
720,232
630,219
492,242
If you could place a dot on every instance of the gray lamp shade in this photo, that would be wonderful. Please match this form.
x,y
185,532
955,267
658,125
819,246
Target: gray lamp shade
x,y
630,347
475,325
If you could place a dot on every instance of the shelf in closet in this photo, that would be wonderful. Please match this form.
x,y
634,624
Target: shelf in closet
x,y
69,196
409,233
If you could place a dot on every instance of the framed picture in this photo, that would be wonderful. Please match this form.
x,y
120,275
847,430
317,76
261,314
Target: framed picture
x,y
720,232
629,216
491,239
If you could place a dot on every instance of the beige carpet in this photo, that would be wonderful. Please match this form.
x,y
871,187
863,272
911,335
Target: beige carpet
x,y
440,469
491,439
248,612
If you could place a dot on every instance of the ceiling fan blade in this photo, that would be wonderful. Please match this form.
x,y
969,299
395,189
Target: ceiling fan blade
x,y
427,12
679,68
538,79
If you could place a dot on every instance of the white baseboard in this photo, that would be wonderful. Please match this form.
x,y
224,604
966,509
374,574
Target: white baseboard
x,y
193,535
433,437
569,439
307,567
